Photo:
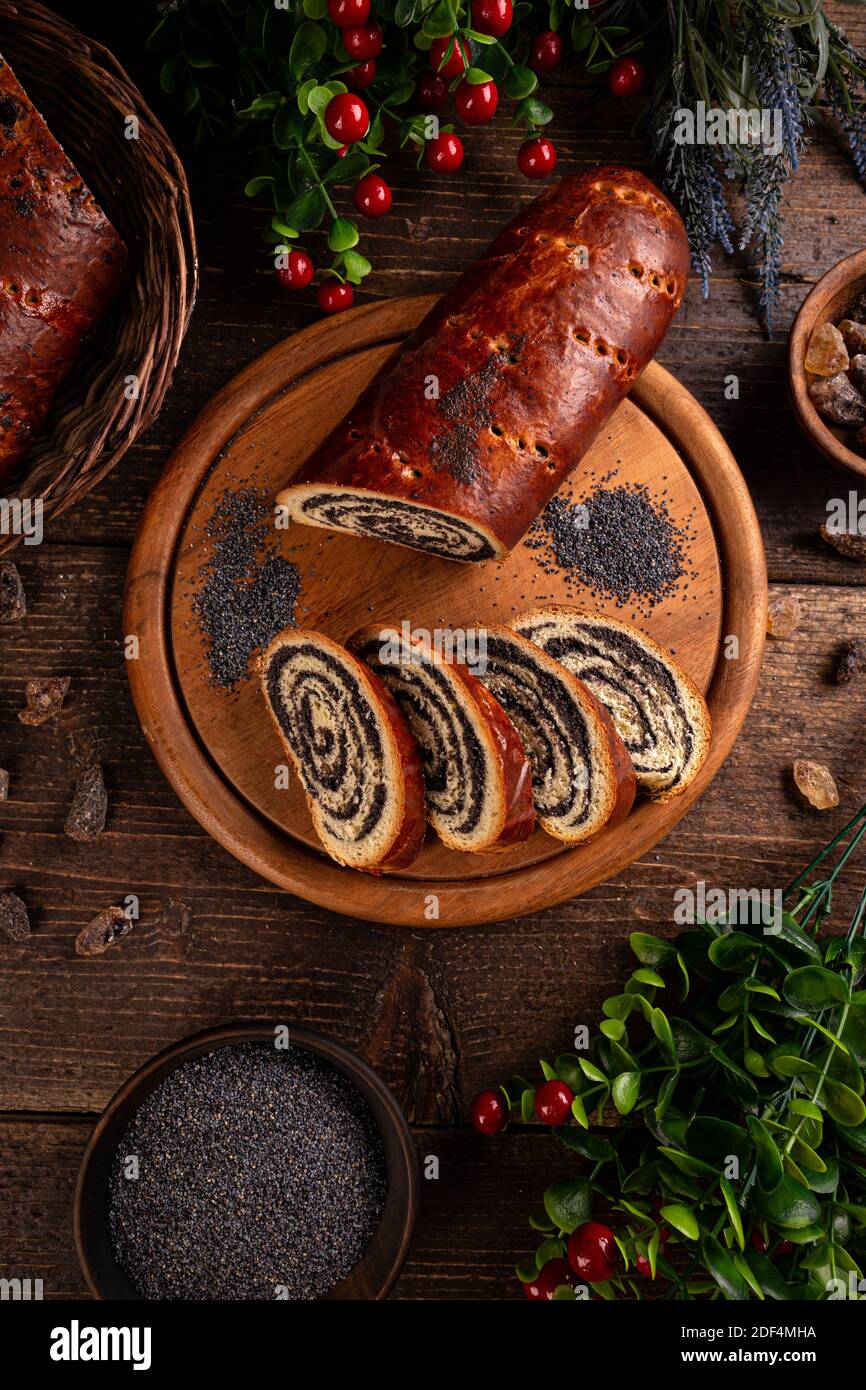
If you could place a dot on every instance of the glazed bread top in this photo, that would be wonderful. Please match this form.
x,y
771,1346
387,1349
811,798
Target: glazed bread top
x,y
503,386
61,266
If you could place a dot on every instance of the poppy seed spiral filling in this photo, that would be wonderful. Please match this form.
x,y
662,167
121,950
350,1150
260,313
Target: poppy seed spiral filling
x,y
350,747
553,729
388,519
658,712
456,766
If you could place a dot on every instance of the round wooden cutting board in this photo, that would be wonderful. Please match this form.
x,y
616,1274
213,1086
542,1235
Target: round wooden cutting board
x,y
218,748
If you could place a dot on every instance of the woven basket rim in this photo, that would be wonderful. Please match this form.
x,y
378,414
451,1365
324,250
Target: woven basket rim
x,y
93,422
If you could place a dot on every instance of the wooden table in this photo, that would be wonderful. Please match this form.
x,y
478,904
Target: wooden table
x,y
441,1014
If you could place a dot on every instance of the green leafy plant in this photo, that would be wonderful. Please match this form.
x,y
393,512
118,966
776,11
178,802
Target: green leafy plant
x,y
252,71
733,1062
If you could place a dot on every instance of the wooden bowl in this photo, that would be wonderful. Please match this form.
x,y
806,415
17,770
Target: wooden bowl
x,y
829,301
87,101
372,1278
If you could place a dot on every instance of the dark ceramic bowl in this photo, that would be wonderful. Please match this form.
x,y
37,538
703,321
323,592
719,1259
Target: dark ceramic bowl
x,y
377,1271
830,300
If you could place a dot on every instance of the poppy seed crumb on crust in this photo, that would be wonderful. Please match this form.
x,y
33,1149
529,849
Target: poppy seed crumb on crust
x,y
260,1175
249,590
619,541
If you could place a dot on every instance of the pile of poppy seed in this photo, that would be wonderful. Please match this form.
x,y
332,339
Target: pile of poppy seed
x,y
248,591
619,542
261,1175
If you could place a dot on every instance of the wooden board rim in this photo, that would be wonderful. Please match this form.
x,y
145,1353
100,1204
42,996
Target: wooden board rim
x,y
220,810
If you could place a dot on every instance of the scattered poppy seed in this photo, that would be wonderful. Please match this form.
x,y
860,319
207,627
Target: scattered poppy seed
x,y
249,590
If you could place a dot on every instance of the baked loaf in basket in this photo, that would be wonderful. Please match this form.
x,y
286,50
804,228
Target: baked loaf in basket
x,y
582,776
476,772
61,266
657,709
351,748
465,434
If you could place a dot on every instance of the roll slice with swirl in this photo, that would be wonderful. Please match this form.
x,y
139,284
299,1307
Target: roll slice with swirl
x,y
658,710
476,772
582,777
351,748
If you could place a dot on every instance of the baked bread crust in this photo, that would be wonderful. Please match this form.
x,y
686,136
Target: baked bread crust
x,y
503,386
62,265
402,839
514,811
544,724
674,703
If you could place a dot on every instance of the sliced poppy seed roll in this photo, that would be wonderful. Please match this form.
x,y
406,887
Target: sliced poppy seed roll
x,y
658,711
582,777
476,773
350,746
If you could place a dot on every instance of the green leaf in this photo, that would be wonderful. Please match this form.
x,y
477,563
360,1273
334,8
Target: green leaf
x,y
687,1163
526,1271
357,266
843,1105
733,1211
722,1268
171,74
257,185
348,169
318,98
591,1146
740,1262
343,235
591,1071
813,987
650,950
729,951
548,1071
527,1106
690,1044
578,1110
286,128
308,46
315,9
714,1141
613,1028
626,1090
475,76
521,82
789,1206
567,1069
307,211
568,1203
791,931
771,1281
754,1063
534,112
662,1029
648,977
854,1136
682,1218
770,1171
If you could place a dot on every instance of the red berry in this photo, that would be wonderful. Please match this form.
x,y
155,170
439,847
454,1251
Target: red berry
x,y
476,102
363,43
360,77
492,16
642,1265
553,1102
545,52
536,158
459,60
347,14
372,196
431,92
548,1280
334,295
346,118
298,271
592,1252
626,77
444,153
488,1112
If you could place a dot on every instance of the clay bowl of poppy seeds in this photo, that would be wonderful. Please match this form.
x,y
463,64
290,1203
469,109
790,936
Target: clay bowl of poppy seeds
x,y
250,1162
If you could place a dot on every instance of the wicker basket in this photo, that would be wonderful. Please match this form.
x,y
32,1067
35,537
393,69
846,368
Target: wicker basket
x,y
87,98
